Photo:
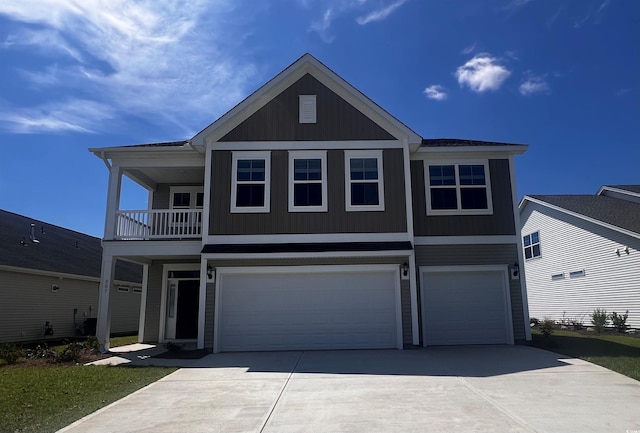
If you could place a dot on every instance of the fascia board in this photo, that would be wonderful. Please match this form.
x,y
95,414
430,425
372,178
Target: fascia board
x,y
516,149
617,190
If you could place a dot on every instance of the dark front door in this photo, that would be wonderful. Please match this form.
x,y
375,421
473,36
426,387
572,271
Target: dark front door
x,y
187,309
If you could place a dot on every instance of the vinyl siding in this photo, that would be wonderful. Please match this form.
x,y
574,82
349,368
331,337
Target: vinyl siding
x,y
500,223
404,285
458,255
154,298
336,119
337,220
162,195
570,244
27,302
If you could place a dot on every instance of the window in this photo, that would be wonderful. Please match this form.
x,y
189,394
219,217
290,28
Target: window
x,y
307,108
364,181
187,197
458,188
308,181
250,186
531,245
123,289
137,290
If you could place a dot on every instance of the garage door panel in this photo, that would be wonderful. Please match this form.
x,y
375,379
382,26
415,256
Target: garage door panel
x,y
314,310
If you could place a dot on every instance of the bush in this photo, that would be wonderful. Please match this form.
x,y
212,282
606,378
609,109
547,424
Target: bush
x,y
40,352
92,343
619,321
534,322
599,319
172,347
10,353
71,353
547,326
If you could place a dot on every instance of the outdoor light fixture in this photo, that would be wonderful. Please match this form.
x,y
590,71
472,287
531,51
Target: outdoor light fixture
x,y
516,269
405,269
209,271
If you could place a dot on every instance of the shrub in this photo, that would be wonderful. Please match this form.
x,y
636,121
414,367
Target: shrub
x,y
534,322
172,347
71,353
599,319
10,353
546,327
40,352
92,343
619,321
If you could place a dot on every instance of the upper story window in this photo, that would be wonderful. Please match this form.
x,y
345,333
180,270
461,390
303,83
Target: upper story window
x,y
308,181
187,197
364,182
531,244
251,182
458,188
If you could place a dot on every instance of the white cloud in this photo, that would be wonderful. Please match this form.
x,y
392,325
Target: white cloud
x,y
380,14
435,91
482,73
470,49
163,60
534,84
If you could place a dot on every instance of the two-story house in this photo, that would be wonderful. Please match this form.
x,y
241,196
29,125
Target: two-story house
x,y
307,217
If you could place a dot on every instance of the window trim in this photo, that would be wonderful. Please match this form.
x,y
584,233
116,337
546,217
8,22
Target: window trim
x,y
353,154
457,164
524,247
193,190
242,155
308,154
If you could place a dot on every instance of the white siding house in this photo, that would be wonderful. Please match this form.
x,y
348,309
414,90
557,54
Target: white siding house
x,y
582,253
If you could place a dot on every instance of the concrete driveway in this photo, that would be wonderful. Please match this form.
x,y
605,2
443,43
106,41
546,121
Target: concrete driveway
x,y
449,389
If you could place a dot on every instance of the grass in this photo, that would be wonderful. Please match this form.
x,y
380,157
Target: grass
x,y
47,398
619,353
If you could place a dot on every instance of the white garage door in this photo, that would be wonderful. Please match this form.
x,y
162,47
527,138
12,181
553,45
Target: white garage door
x,y
465,307
347,307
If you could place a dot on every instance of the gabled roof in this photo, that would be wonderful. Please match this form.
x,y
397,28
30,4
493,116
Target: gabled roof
x,y
59,250
458,145
633,189
307,64
614,213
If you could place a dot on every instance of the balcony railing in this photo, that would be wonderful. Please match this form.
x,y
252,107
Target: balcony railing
x,y
158,224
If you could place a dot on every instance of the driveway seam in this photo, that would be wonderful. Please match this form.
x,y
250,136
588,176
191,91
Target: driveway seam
x,y
284,387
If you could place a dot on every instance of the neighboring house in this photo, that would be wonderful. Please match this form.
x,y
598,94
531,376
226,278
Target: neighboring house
x,y
307,217
50,274
582,253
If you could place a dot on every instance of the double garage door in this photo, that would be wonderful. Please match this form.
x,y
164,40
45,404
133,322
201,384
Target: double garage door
x,y
315,307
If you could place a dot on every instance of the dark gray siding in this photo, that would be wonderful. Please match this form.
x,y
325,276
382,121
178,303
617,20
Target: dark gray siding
x,y
336,220
336,119
458,255
404,286
500,223
154,297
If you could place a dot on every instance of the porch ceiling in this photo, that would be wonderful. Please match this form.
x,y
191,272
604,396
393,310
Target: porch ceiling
x,y
151,176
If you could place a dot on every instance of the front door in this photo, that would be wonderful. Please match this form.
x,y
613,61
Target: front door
x,y
187,309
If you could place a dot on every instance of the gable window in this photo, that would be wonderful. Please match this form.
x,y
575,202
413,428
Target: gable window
x,y
458,188
250,186
531,244
308,181
364,180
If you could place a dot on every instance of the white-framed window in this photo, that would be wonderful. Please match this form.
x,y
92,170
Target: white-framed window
x,y
308,181
531,245
307,108
458,188
251,182
123,289
137,290
364,181
186,197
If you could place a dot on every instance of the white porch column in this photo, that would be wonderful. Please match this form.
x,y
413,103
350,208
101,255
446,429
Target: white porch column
x,y
143,302
103,328
113,201
202,301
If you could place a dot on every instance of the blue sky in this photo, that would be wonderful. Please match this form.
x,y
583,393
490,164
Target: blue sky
x,y
562,76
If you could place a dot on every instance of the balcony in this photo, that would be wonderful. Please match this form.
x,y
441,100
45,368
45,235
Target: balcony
x,y
158,224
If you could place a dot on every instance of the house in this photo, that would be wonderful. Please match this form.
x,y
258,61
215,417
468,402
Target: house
x,y
308,217
582,252
49,281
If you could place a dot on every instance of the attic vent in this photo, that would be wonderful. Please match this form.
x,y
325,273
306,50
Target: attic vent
x,y
307,108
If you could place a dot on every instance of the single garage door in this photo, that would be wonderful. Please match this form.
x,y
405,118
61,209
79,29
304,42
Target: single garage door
x,y
465,307
345,307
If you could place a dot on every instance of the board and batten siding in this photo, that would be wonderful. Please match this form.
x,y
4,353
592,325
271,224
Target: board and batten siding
x,y
27,302
501,222
473,255
336,220
405,295
569,244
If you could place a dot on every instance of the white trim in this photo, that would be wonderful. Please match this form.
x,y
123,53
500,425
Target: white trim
x,y
617,190
208,180
314,237
307,112
238,156
457,151
456,164
221,271
465,240
192,190
363,154
317,154
504,269
307,145
202,300
143,302
298,255
531,245
413,289
166,268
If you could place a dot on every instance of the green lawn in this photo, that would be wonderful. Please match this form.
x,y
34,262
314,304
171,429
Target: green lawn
x,y
619,353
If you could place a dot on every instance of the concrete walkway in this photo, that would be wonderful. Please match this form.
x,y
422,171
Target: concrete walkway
x,y
452,389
